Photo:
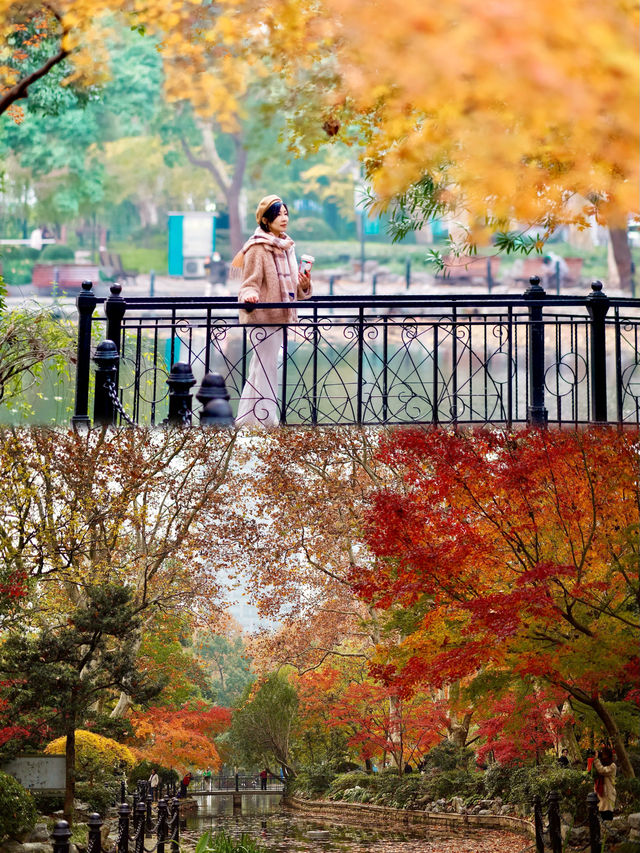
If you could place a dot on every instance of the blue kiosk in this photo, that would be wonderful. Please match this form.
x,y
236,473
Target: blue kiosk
x,y
192,241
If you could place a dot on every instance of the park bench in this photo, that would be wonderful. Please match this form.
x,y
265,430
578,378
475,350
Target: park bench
x,y
65,276
111,268
471,270
524,268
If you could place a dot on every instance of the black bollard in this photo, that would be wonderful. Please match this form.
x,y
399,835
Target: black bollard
x,y
174,822
139,839
555,834
123,828
216,408
594,823
136,800
180,382
162,824
537,414
60,837
106,358
149,826
94,823
537,822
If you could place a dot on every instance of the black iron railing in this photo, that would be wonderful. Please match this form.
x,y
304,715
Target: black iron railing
x,y
453,359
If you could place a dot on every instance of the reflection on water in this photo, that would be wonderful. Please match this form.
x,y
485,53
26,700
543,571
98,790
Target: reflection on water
x,y
278,829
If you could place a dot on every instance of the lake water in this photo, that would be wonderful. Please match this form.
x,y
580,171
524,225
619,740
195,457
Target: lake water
x,y
277,828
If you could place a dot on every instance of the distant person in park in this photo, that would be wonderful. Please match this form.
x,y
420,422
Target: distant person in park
x,y
184,784
263,779
154,782
268,270
207,778
563,758
555,265
604,775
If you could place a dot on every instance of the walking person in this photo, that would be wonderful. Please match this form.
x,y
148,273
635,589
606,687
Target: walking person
x,y
263,780
268,268
154,781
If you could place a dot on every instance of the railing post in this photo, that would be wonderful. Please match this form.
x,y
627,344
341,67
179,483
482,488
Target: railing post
x,y
140,827
374,284
60,837
123,827
94,824
123,791
537,822
162,824
175,825
216,408
597,306
149,826
555,834
106,359
237,782
86,303
594,823
407,273
489,276
115,308
537,414
136,800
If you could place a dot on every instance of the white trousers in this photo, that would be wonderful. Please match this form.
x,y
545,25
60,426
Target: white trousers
x,y
258,404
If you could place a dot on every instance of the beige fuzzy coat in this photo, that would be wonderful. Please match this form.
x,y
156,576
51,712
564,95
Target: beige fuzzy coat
x,y
607,802
260,278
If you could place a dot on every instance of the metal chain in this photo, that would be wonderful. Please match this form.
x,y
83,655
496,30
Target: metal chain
x,y
112,393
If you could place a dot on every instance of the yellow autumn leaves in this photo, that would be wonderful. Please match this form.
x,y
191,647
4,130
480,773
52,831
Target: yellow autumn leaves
x,y
526,104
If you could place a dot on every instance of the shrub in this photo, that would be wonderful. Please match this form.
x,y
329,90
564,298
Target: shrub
x,y
57,252
313,781
447,756
48,803
468,784
97,757
628,794
99,797
17,809
312,228
348,781
573,786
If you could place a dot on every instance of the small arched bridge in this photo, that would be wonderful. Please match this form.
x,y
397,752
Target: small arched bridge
x,y
216,786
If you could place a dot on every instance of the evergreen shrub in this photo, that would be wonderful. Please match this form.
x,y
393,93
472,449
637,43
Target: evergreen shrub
x,y
17,808
57,252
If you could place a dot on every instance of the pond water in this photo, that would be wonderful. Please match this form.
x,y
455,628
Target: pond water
x,y
281,830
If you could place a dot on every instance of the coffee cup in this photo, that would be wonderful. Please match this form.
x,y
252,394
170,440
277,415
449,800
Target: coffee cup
x,y
306,262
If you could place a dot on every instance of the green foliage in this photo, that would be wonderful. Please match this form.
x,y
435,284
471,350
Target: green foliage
x,y
47,804
229,668
628,794
467,784
348,781
33,341
99,797
57,252
262,725
448,756
142,771
312,781
223,843
118,728
17,808
520,785
313,228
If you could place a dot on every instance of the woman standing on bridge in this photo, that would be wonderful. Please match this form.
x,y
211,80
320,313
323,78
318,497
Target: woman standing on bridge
x,y
268,268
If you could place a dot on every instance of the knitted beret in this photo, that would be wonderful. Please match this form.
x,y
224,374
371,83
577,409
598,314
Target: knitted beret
x,y
264,205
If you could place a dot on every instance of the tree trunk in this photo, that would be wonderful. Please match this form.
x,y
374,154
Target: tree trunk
x,y
70,774
622,256
622,759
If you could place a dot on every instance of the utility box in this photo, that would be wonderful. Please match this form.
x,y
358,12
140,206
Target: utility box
x,y
192,241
